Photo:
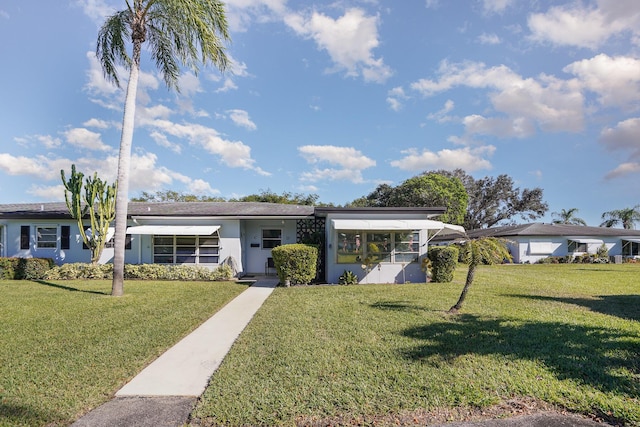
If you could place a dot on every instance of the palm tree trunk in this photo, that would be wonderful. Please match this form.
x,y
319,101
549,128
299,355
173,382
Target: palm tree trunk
x,y
470,276
124,162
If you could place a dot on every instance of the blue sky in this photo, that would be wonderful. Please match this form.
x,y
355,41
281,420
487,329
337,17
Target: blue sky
x,y
336,97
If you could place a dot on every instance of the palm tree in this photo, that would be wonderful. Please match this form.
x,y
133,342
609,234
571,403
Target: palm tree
x,y
568,217
485,250
179,32
627,217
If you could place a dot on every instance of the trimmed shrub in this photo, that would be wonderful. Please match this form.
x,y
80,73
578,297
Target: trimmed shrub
x,y
444,260
139,272
295,263
25,268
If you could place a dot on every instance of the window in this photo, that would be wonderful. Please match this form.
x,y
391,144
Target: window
x,y
406,246
378,246
46,237
271,238
186,249
577,246
25,231
65,233
630,248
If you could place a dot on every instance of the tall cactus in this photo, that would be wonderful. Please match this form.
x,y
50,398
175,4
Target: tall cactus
x,y
98,201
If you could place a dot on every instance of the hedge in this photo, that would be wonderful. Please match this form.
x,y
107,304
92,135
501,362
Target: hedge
x,y
296,263
25,268
444,260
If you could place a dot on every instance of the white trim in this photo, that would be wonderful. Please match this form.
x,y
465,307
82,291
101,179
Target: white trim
x,y
393,224
174,230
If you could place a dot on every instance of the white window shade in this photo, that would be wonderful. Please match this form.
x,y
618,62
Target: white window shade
x,y
393,224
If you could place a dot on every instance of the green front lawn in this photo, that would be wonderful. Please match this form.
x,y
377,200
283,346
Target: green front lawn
x,y
67,346
566,335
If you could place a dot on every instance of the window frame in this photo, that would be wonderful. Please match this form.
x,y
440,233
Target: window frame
x,y
379,246
179,249
47,244
577,246
273,241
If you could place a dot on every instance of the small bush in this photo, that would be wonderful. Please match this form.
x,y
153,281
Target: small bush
x,y
444,260
25,268
295,263
348,278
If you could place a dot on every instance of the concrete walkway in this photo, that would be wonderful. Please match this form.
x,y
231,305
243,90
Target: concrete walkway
x,y
164,393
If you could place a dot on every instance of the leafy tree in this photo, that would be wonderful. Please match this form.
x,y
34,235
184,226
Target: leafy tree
x,y
98,201
268,196
494,200
485,250
179,32
626,217
426,190
568,217
173,196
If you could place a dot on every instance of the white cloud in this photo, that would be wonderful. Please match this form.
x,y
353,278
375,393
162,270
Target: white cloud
x,y
97,10
162,140
395,97
241,13
349,40
86,139
585,24
52,193
234,154
442,115
490,39
49,141
241,118
199,186
546,102
350,162
496,6
624,136
98,124
469,159
616,80
623,170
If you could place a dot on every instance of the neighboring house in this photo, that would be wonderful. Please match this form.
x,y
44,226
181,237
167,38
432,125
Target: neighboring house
x,y
391,240
529,243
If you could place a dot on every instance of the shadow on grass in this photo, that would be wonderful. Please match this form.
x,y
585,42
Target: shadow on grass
x,y
622,306
399,306
69,288
589,355
11,414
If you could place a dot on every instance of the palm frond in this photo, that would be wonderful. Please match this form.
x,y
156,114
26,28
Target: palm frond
x,y
111,49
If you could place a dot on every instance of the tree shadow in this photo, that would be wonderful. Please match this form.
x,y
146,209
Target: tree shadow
x,y
69,288
399,306
12,414
588,355
622,306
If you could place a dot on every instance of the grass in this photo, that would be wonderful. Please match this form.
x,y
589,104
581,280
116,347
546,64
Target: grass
x,y
67,346
567,335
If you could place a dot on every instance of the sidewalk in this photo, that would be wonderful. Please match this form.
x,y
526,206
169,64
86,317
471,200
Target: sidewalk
x,y
164,393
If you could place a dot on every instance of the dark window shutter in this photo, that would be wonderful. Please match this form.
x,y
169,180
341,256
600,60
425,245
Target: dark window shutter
x,y
25,231
65,233
127,242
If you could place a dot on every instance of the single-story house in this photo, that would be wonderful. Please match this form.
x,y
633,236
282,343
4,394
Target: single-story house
x,y
529,243
389,242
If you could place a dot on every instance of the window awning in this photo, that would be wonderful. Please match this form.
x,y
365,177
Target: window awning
x,y
394,224
110,232
587,241
632,240
174,230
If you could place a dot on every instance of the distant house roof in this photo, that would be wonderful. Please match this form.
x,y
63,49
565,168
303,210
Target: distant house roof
x,y
540,229
175,209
